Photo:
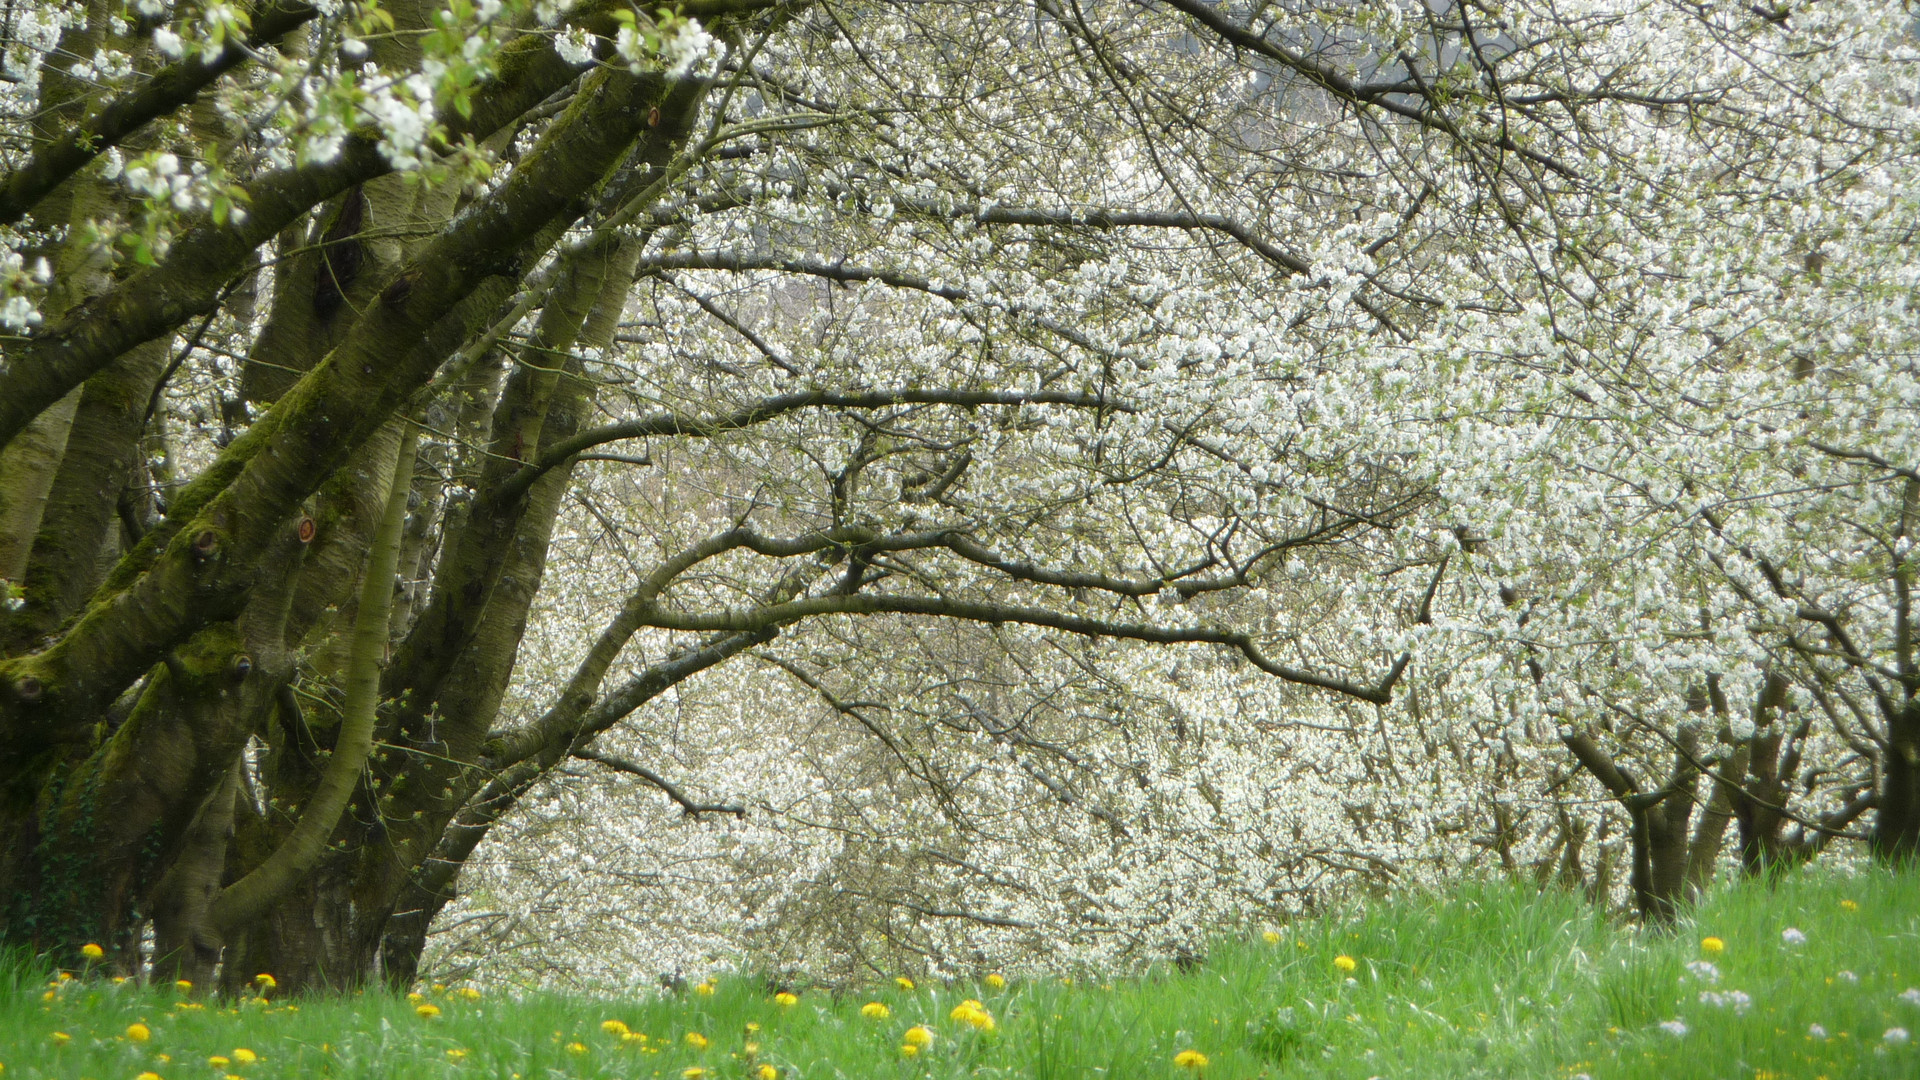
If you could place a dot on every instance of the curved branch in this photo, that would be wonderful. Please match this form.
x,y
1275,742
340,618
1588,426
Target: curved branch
x,y
687,806
673,423
170,88
247,898
776,615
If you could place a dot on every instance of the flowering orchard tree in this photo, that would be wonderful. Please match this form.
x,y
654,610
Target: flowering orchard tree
x,y
1668,436
1282,339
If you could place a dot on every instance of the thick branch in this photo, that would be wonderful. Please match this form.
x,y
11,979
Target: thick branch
x,y
247,898
743,621
170,88
678,424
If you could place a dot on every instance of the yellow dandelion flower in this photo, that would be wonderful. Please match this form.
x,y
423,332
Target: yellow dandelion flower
x,y
183,984
576,1048
427,1010
416,996
467,993
148,1076
1712,946
439,988
218,1061
1849,905
696,1040
995,981
65,976
705,989
973,1014
92,951
785,1000
632,1038
1190,1059
903,982
1344,962
918,1035
908,1050
766,1072
139,1032
873,1010
266,981
1271,937
244,1056
613,1027
457,1054
750,1051
60,1038
695,1073
752,1026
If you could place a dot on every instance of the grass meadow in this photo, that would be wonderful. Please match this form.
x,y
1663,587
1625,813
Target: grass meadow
x,y
1813,979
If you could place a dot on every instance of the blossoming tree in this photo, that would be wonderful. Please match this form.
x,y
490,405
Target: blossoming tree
x,y
1250,335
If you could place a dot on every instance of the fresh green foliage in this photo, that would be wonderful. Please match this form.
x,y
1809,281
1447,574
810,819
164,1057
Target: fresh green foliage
x,y
1487,980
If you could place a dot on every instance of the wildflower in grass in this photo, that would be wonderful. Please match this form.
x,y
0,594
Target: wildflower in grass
x,y
416,996
576,1048
1793,937
439,988
139,1032
183,984
1704,971
1848,905
752,1026
467,993
1675,1028
92,951
903,982
1344,962
63,977
427,1010
1190,1059
973,1014
457,1054
266,981
995,981
908,1050
1271,937
613,1027
917,1035
1736,1000
632,1038
148,1076
1712,946
60,1038
766,1072
873,1010
784,999
1896,1036
1815,1031
705,989
697,1072
219,1061
696,1040
244,1056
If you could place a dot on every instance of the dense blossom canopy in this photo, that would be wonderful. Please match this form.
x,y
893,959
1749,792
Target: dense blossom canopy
x,y
1027,482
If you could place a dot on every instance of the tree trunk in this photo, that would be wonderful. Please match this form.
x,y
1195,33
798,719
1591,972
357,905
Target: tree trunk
x,y
1896,827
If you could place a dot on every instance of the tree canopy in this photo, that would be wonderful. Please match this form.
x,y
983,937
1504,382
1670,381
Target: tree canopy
x,y
400,399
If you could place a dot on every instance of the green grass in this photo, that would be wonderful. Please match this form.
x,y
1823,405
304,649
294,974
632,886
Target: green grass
x,y
1486,981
